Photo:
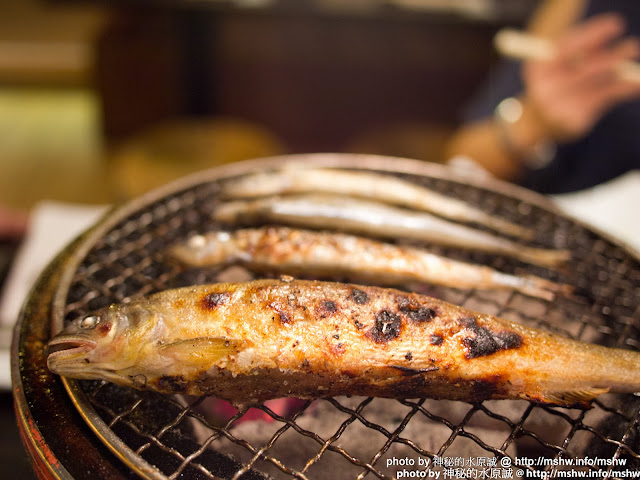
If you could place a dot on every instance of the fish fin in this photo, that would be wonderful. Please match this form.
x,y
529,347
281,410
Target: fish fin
x,y
202,349
579,398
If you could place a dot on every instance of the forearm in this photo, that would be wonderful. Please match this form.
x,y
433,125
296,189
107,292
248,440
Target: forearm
x,y
503,144
480,142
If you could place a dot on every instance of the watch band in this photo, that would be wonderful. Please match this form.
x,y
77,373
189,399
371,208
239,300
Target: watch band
x,y
506,114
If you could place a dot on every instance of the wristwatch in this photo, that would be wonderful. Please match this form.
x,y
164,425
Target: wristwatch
x,y
506,114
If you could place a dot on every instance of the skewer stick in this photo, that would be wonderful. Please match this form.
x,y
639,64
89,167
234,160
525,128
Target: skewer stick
x,y
523,46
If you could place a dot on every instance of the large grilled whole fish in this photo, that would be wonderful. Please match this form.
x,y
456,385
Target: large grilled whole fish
x,y
370,217
366,185
297,251
253,341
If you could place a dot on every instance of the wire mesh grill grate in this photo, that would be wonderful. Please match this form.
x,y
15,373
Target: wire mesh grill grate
x,y
362,437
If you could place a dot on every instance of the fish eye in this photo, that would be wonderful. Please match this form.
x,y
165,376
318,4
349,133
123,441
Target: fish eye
x,y
89,322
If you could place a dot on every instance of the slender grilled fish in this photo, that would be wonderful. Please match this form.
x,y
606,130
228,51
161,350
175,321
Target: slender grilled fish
x,y
320,253
370,217
253,341
363,184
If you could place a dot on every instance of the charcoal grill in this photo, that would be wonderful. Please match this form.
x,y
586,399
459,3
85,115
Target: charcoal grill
x,y
91,429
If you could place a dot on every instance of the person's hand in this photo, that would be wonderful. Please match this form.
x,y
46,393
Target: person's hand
x,y
568,94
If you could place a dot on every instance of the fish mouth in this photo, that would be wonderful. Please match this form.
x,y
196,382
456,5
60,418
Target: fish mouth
x,y
67,348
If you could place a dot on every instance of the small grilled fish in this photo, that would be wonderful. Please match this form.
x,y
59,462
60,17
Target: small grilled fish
x,y
370,217
320,253
253,341
370,185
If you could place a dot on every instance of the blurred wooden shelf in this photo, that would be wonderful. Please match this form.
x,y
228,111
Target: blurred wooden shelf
x,y
46,45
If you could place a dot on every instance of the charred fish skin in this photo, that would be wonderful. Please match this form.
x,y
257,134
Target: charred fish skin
x,y
253,341
365,184
292,251
374,218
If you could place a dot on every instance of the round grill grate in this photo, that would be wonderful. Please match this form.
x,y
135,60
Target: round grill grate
x,y
178,437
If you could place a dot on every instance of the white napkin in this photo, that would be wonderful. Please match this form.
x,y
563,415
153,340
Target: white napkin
x,y
610,207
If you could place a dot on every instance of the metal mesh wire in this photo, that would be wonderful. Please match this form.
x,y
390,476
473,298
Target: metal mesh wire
x,y
363,437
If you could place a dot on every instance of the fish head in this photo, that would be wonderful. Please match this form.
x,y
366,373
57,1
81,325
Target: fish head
x,y
213,248
102,344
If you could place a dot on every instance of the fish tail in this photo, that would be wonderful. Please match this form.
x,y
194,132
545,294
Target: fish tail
x,y
545,289
543,257
580,372
509,228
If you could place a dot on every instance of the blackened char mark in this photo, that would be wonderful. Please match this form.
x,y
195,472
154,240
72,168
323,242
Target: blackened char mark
x,y
485,342
358,296
408,371
436,339
213,300
386,327
419,314
326,308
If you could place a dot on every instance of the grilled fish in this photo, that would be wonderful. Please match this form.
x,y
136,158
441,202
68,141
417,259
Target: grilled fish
x,y
370,217
320,253
370,185
253,341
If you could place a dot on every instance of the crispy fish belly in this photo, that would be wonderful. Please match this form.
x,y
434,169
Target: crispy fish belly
x,y
253,341
294,251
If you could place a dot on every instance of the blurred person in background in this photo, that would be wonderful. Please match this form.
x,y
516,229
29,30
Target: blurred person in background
x,y
567,123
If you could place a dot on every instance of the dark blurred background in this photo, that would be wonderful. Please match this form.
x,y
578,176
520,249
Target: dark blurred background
x,y
157,88
102,101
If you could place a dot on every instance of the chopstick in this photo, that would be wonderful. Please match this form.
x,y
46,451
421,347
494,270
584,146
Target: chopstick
x,y
523,46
